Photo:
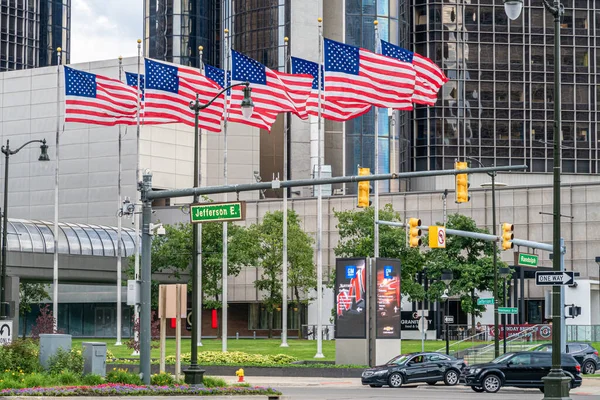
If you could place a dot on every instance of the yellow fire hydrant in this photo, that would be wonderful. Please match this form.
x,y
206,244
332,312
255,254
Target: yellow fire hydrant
x,y
240,374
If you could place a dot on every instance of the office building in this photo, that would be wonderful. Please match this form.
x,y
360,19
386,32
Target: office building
x,y
31,30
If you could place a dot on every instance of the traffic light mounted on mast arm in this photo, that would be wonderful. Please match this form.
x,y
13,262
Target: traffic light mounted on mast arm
x,y
507,236
414,236
364,188
462,183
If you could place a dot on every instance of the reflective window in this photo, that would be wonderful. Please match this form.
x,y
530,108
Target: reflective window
x,y
12,237
113,235
129,240
47,236
109,248
23,236
36,238
84,240
97,247
73,240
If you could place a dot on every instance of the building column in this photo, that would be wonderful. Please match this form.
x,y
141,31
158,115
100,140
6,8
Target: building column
x,y
12,296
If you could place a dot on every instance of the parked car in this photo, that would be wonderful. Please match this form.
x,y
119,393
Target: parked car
x,y
524,369
584,353
415,367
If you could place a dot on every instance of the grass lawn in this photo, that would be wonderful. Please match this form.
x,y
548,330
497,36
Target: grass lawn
x,y
301,349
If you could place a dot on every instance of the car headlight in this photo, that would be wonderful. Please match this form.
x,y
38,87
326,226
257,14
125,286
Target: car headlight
x,y
475,370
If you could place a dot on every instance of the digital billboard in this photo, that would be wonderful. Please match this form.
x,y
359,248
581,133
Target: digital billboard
x,y
388,299
351,298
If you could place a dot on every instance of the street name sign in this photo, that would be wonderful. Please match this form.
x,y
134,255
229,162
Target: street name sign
x,y
485,301
217,212
526,260
508,310
554,278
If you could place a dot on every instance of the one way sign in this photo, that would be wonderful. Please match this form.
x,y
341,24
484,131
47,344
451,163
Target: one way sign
x,y
554,278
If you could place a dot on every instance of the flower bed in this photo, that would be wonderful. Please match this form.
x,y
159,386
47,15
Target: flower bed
x,y
114,389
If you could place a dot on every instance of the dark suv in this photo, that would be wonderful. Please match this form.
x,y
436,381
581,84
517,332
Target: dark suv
x,y
584,353
524,369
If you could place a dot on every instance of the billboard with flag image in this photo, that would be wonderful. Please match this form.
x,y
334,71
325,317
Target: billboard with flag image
x,y
350,298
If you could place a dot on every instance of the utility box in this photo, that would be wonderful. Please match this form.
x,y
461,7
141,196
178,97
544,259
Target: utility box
x,y
133,292
49,345
94,358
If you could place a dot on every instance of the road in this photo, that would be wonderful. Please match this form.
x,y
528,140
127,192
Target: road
x,y
337,392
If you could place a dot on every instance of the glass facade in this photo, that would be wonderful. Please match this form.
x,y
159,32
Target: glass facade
x,y
173,30
31,30
393,127
498,105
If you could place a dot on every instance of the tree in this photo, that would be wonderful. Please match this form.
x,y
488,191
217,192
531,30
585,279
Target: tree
x,y
268,253
173,252
471,263
356,232
30,293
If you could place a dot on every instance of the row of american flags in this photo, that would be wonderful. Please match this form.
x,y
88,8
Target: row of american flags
x,y
352,80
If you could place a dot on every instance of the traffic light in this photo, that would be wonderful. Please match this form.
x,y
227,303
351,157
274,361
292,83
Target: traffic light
x,y
414,235
462,183
507,236
364,188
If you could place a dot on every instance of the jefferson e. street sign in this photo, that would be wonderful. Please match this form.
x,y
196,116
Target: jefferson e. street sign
x,y
526,260
485,301
554,278
217,212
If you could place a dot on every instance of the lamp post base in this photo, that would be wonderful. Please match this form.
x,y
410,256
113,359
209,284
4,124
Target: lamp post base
x,y
556,385
194,376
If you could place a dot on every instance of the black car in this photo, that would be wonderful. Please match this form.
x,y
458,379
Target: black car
x,y
415,367
584,353
524,369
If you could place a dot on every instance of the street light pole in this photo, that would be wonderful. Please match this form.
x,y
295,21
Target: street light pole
x,y
447,278
193,374
7,153
556,384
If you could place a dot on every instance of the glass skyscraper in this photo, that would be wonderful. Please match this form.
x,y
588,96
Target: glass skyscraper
x,y
31,30
498,105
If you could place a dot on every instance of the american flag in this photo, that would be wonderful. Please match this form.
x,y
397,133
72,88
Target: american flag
x,y
169,90
261,119
98,100
132,80
330,109
430,77
272,92
353,74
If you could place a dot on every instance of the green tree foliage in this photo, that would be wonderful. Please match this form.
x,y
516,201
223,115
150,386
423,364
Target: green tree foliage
x,y
356,231
30,293
471,263
268,253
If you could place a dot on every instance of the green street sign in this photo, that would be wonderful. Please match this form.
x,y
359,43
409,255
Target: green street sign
x,y
526,260
483,302
508,310
217,212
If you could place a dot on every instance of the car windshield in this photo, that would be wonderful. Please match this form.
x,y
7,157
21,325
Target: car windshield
x,y
401,359
502,358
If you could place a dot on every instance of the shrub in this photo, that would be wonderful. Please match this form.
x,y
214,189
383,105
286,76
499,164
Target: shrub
x,y
163,379
123,376
92,379
44,323
20,355
154,333
212,382
68,378
66,361
12,380
37,380
110,356
235,357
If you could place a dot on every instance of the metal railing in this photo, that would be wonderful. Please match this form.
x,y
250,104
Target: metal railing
x,y
462,347
583,333
521,341
309,332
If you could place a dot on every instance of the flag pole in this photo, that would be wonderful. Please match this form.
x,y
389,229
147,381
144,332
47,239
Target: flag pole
x,y
319,209
56,234
136,217
376,162
284,291
119,225
198,288
224,271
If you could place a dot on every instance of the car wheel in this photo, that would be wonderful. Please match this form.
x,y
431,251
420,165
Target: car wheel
x,y
477,389
376,385
492,383
451,377
589,367
395,380
431,383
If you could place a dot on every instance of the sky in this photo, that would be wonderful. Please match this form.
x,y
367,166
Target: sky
x,y
105,29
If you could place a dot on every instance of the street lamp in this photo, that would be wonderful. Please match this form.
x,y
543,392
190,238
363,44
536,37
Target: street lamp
x,y
556,384
504,272
496,322
446,278
193,374
7,153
